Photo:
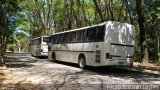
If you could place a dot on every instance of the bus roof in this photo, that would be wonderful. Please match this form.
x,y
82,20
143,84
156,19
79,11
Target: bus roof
x,y
80,28
100,24
39,37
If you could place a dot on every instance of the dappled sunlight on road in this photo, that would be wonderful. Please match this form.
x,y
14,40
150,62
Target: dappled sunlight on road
x,y
47,74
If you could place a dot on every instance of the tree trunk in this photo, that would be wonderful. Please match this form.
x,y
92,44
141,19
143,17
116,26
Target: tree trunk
x,y
107,10
120,13
19,47
1,57
141,22
2,51
98,10
83,11
158,47
111,10
128,10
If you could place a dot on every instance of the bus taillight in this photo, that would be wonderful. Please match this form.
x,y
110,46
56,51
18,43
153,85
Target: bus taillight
x,y
108,56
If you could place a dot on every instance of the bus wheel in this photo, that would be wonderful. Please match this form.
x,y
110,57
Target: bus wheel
x,y
82,62
53,57
131,65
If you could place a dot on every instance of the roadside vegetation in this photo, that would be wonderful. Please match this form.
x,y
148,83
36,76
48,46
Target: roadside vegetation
x,y
21,20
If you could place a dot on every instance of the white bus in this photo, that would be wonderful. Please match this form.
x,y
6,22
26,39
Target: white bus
x,y
39,47
107,44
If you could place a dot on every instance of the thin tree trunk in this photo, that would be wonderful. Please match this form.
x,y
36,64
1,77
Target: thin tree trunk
x,y
158,38
98,10
19,47
128,10
107,10
83,11
1,56
120,13
2,48
111,10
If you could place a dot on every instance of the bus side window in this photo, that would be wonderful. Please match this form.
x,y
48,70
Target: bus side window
x,y
83,36
90,34
86,35
59,38
65,37
55,39
50,40
100,31
35,42
80,35
39,40
46,39
72,37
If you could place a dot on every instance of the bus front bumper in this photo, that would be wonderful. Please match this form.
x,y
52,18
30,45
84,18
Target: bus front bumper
x,y
44,53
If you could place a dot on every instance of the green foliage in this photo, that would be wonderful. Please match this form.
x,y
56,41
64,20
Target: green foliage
x,y
8,10
19,41
38,17
70,14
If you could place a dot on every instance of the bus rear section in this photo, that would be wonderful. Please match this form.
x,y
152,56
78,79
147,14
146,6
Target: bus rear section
x,y
39,47
44,46
119,44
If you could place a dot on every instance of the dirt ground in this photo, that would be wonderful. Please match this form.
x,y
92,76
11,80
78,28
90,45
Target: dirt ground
x,y
149,66
8,81
2,74
29,73
5,77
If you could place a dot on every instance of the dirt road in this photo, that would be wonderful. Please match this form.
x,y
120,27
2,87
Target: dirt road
x,y
50,75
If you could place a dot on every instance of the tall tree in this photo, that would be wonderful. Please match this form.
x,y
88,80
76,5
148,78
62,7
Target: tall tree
x,y
41,16
142,25
8,9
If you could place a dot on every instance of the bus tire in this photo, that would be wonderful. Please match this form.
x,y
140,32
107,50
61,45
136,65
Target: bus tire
x,y
53,57
82,62
131,65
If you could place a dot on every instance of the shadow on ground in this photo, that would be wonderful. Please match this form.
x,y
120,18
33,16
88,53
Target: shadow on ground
x,y
96,74
16,62
11,65
112,71
42,57
67,78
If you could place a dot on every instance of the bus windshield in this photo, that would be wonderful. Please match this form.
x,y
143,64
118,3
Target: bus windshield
x,y
45,39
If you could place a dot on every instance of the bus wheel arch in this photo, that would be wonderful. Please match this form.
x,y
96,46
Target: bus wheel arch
x,y
82,61
53,56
